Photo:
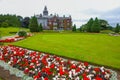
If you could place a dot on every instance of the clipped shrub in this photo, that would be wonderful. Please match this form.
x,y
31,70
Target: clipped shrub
x,y
22,33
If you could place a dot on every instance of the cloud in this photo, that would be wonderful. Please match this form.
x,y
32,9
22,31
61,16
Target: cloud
x,y
112,16
91,12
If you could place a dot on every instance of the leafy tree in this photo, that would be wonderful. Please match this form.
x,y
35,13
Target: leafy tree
x,y
34,27
96,26
83,28
25,22
117,28
74,28
12,20
4,24
103,24
89,25
20,19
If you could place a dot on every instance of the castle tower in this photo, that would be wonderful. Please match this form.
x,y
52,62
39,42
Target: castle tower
x,y
45,11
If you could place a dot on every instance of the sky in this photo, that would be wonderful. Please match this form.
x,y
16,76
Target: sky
x,y
80,10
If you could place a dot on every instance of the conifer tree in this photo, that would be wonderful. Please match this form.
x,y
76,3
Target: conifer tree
x,y
95,26
117,28
74,28
34,25
89,25
40,28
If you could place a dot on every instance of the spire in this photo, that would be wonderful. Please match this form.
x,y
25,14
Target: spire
x,y
45,11
45,8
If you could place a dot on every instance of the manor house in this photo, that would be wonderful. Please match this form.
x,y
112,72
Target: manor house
x,y
54,22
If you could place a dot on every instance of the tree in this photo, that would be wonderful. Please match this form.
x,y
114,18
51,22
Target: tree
x,y
20,18
34,25
25,22
89,25
117,28
40,28
12,20
83,28
4,24
103,24
74,28
95,26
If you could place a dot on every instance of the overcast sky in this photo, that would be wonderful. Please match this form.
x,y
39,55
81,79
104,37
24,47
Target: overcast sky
x,y
80,10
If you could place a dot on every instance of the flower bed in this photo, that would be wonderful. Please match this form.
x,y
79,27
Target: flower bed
x,y
13,39
43,66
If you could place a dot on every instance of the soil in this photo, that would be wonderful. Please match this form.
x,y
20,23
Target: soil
x,y
5,75
118,75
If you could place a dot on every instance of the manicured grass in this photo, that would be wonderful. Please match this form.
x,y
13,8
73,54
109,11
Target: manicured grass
x,y
0,78
100,49
10,31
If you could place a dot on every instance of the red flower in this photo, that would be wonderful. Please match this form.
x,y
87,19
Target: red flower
x,y
31,66
77,70
84,75
97,69
52,66
57,59
36,77
61,71
86,64
26,71
98,78
46,78
44,61
73,66
86,78
39,74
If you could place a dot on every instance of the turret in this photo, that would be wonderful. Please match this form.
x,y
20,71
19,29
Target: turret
x,y
45,11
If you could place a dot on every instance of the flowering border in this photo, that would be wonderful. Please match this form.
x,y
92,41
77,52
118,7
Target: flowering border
x,y
44,66
14,39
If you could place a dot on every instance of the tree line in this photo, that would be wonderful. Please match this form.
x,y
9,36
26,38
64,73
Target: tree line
x,y
93,25
9,20
96,25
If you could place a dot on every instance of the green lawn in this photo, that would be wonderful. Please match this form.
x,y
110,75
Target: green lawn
x,y
10,31
100,49
0,78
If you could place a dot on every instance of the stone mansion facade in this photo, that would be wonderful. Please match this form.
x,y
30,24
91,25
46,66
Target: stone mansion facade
x,y
54,22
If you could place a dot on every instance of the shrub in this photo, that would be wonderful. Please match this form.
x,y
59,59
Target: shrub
x,y
22,33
